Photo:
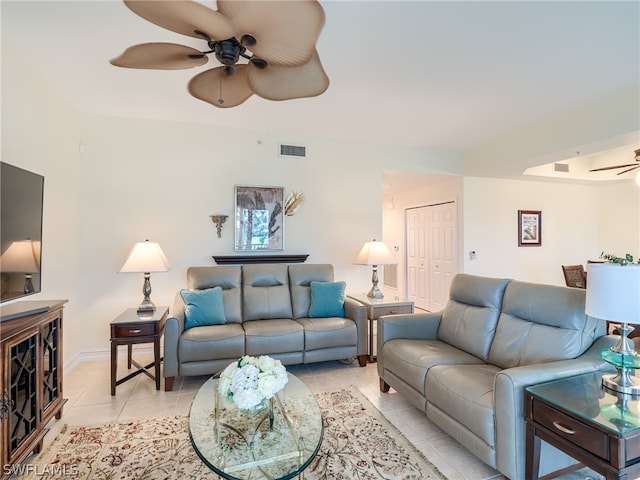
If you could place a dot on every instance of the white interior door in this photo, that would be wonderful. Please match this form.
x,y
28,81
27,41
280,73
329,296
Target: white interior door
x,y
417,261
442,253
431,233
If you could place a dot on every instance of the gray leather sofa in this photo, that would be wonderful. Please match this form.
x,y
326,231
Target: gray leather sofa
x,y
267,313
467,366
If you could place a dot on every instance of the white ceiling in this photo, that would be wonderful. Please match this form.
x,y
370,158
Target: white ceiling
x,y
449,74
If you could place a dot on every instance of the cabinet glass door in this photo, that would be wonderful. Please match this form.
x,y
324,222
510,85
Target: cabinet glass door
x,y
23,383
51,371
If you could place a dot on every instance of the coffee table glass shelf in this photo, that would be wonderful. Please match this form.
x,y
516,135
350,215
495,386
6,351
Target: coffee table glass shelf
x,y
278,442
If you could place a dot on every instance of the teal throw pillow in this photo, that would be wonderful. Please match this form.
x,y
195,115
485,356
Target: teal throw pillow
x,y
327,299
203,307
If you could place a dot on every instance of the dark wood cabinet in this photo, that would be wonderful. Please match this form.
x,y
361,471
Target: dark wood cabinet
x,y
31,382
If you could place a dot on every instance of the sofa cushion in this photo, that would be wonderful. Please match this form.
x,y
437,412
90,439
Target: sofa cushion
x,y
470,317
196,344
411,359
266,291
327,299
542,323
203,307
328,332
300,277
227,277
465,393
264,337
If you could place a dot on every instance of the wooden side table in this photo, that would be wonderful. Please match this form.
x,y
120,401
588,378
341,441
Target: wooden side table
x,y
376,308
128,329
588,422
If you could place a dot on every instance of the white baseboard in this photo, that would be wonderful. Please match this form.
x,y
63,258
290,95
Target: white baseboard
x,y
105,354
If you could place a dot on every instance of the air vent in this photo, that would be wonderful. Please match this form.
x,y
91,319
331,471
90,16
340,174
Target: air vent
x,y
391,276
293,150
561,167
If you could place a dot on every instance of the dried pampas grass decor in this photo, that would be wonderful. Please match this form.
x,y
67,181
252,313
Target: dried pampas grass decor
x,y
293,203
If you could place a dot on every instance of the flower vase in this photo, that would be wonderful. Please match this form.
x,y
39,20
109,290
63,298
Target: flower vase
x,y
265,410
255,410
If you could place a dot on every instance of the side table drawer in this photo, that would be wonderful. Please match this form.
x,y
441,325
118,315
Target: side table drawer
x,y
391,310
571,429
135,330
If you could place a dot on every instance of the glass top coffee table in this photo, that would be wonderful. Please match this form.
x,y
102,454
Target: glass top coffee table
x,y
276,443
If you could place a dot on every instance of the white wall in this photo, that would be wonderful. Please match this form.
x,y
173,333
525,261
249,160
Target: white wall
x,y
578,223
619,219
569,228
40,134
143,179
140,179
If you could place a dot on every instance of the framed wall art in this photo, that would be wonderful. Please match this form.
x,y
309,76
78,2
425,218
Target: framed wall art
x,y
259,219
529,228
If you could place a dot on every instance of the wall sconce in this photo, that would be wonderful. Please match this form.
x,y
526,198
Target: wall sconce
x,y
219,220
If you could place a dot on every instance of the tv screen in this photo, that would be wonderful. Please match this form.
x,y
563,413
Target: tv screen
x,y
21,195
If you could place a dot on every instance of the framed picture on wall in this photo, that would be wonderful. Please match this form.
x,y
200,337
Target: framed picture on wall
x,y
529,228
259,218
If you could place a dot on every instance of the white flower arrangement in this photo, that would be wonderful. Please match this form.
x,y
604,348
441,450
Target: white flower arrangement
x,y
250,380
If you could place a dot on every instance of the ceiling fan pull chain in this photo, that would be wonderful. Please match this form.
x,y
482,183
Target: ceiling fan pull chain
x,y
220,99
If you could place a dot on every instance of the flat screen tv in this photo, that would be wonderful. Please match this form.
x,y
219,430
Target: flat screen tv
x,y
21,195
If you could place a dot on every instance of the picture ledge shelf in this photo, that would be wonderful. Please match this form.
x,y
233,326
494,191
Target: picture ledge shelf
x,y
242,259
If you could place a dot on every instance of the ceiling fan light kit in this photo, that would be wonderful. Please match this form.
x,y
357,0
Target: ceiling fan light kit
x,y
274,58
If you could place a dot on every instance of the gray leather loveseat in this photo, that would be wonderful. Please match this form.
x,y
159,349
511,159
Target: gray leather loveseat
x,y
266,312
467,366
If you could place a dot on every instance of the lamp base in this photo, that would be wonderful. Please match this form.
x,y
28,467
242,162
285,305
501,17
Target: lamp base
x,y
146,308
375,292
622,382
624,357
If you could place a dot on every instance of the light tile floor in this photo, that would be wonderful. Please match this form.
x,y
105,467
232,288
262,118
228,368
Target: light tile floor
x,y
87,388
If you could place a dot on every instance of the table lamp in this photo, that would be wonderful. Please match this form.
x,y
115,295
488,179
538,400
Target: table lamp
x,y
146,257
375,253
613,293
21,257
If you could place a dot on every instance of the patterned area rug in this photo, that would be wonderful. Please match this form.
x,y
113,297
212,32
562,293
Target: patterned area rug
x,y
358,444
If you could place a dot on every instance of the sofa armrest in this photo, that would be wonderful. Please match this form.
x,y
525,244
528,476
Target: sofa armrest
x,y
356,312
416,326
419,326
509,401
173,328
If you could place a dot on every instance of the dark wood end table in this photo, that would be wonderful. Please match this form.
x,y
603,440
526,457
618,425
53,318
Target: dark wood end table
x,y
581,418
128,329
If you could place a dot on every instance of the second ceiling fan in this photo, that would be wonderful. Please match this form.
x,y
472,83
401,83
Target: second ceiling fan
x,y
628,166
276,38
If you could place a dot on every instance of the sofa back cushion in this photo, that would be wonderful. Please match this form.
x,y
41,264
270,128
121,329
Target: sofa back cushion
x,y
470,317
266,291
301,275
542,323
227,277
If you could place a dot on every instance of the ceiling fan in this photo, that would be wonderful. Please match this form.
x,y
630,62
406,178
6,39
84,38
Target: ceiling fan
x,y
632,165
276,38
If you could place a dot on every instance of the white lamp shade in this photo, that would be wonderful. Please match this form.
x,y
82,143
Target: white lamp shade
x,y
375,253
20,257
146,257
613,292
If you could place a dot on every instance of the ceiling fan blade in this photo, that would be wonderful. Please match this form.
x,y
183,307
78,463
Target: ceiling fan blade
x,y
284,83
216,84
613,167
161,56
629,169
185,17
286,32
